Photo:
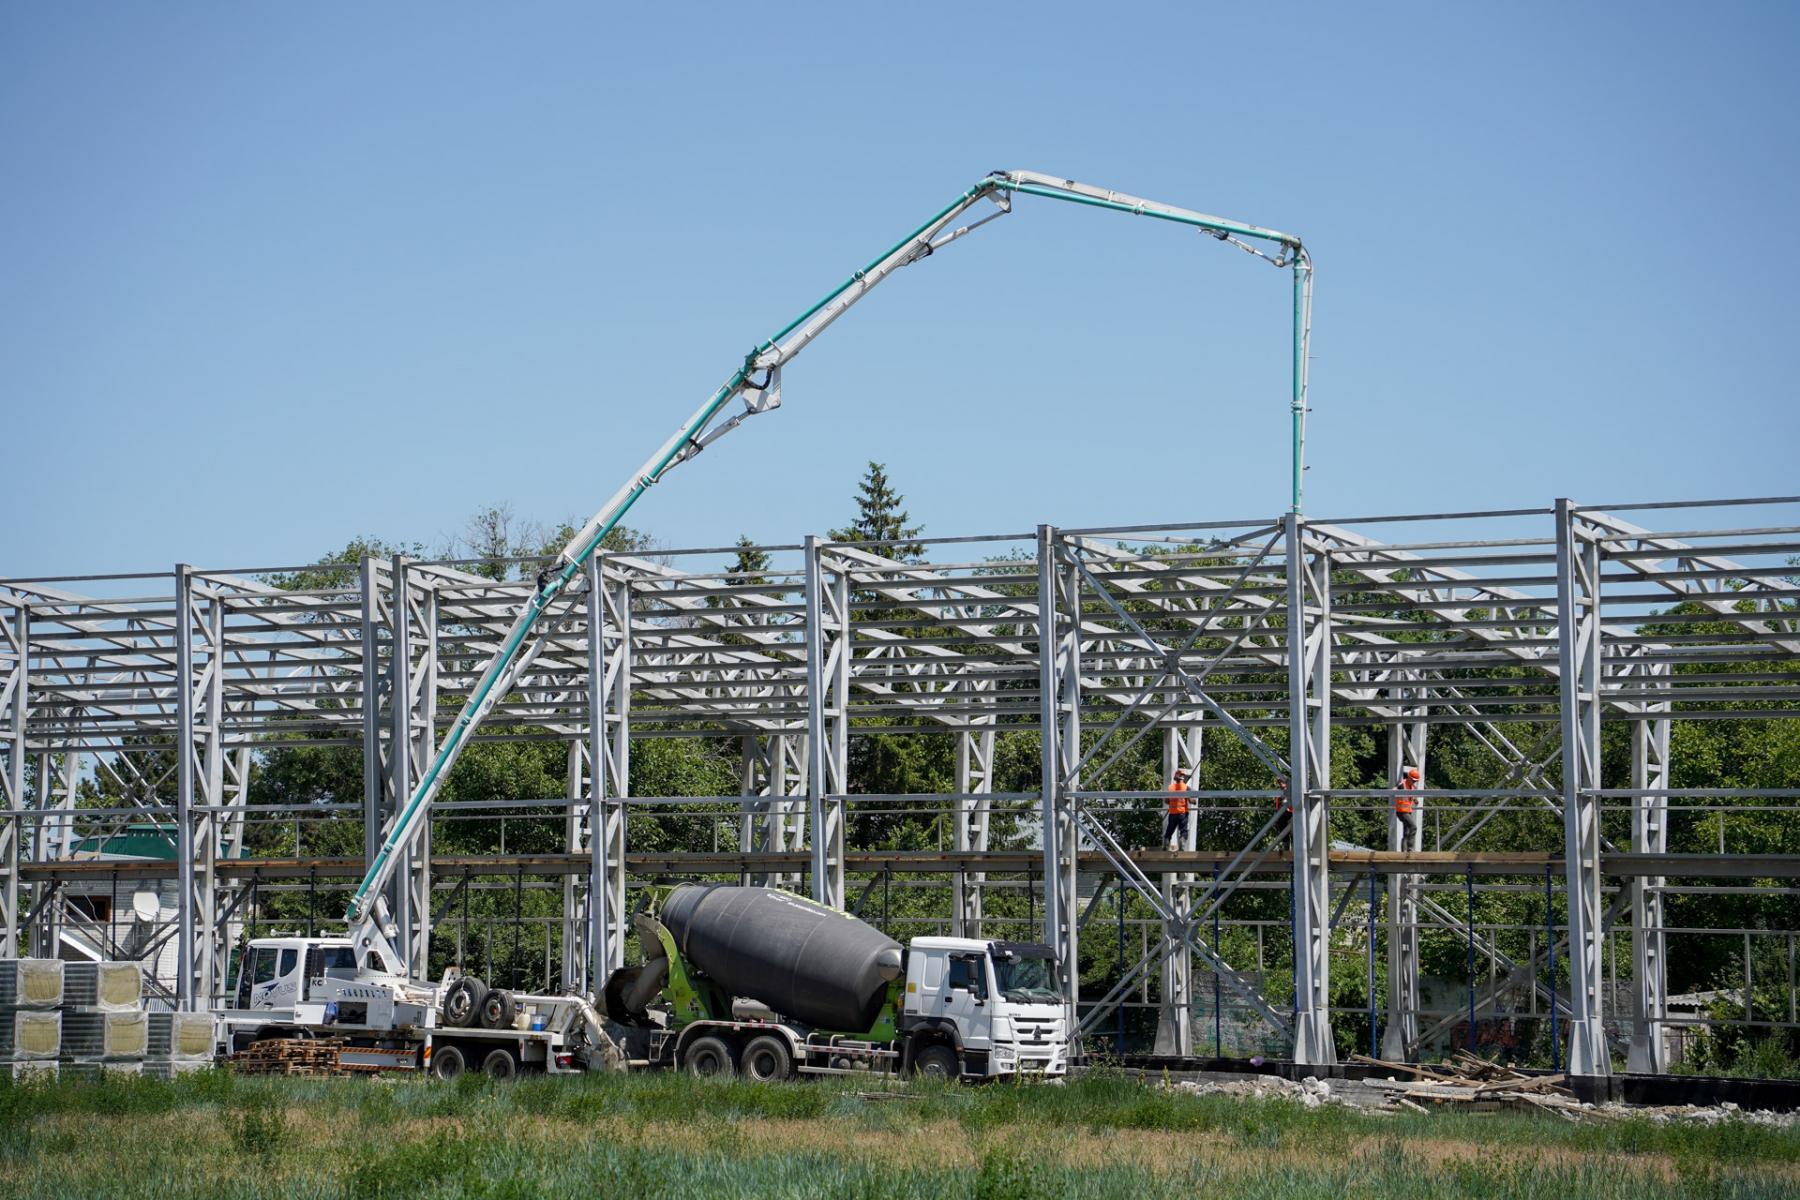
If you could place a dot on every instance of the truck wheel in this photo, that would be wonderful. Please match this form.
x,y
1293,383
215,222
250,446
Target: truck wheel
x,y
462,1003
500,1064
767,1059
936,1062
497,1010
710,1058
446,1062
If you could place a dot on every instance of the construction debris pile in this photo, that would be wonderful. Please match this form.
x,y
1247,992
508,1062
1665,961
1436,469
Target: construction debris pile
x,y
1476,1084
1465,1083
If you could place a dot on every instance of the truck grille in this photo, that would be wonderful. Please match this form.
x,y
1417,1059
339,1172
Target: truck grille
x,y
1036,1033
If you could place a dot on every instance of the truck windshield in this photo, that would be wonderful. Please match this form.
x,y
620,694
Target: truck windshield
x,y
1027,980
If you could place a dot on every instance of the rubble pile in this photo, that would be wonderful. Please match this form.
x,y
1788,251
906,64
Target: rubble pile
x,y
1464,1083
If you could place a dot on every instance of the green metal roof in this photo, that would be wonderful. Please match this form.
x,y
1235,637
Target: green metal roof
x,y
134,841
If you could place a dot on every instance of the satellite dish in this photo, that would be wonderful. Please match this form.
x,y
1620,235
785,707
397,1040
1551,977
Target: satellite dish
x,y
147,905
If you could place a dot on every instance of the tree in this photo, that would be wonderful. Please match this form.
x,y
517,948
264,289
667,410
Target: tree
x,y
880,518
751,566
339,568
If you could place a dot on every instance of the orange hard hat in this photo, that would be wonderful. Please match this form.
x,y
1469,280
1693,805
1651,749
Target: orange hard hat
x,y
1412,772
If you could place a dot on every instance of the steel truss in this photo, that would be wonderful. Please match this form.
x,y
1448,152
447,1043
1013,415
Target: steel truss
x,y
1524,637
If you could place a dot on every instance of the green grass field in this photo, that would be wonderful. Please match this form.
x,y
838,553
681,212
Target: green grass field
x,y
651,1136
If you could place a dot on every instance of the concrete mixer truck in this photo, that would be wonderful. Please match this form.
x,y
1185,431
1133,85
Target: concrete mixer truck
x,y
768,985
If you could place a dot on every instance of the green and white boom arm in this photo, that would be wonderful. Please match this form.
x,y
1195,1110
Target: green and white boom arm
x,y
368,916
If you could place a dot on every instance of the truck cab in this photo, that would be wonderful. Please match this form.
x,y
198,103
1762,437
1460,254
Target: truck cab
x,y
274,972
995,1007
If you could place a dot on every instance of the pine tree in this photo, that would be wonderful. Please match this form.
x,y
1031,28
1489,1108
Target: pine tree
x,y
879,518
751,567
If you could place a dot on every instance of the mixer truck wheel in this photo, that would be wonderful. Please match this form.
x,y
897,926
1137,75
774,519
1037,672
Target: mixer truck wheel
x,y
462,1003
937,1062
711,1058
767,1059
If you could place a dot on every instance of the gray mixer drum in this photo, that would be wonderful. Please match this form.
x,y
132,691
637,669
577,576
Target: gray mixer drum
x,y
811,963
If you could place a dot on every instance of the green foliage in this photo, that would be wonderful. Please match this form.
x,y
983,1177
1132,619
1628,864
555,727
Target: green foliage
x,y
259,1128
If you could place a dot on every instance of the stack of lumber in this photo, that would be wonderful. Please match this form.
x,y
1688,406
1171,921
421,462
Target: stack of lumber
x,y
290,1056
31,989
1476,1084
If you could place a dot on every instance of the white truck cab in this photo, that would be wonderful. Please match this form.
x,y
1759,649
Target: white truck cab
x,y
999,1004
274,972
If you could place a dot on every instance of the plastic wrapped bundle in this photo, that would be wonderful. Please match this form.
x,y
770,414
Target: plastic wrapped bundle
x,y
179,1036
31,982
28,1034
110,986
112,1036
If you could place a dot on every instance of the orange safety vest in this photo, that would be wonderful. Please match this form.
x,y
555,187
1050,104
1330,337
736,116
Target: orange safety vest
x,y
1403,804
1178,801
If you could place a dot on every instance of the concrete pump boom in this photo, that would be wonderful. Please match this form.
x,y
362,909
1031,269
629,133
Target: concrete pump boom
x,y
368,915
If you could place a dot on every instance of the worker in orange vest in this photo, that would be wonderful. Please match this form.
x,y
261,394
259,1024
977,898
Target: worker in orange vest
x,y
1175,824
1406,807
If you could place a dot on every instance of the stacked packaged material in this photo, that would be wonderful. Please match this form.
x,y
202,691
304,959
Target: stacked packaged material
x,y
178,1042
105,1030
30,1025
104,986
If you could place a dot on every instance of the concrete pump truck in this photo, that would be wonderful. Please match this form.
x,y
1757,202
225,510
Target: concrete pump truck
x,y
733,977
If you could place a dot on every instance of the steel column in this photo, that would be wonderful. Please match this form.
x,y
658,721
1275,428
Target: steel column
x,y
609,757
1309,739
974,787
1059,700
1647,1052
827,695
15,706
1579,649
412,699
198,778
1406,748
1182,745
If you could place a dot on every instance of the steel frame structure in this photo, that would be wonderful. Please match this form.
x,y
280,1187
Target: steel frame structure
x,y
1532,634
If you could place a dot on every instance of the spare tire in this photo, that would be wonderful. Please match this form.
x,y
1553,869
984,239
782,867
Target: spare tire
x,y
462,1002
497,1009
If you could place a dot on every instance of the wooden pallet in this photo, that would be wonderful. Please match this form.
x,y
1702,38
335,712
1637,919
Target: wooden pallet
x,y
290,1056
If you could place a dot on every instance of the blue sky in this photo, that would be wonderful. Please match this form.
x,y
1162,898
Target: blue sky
x,y
272,277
